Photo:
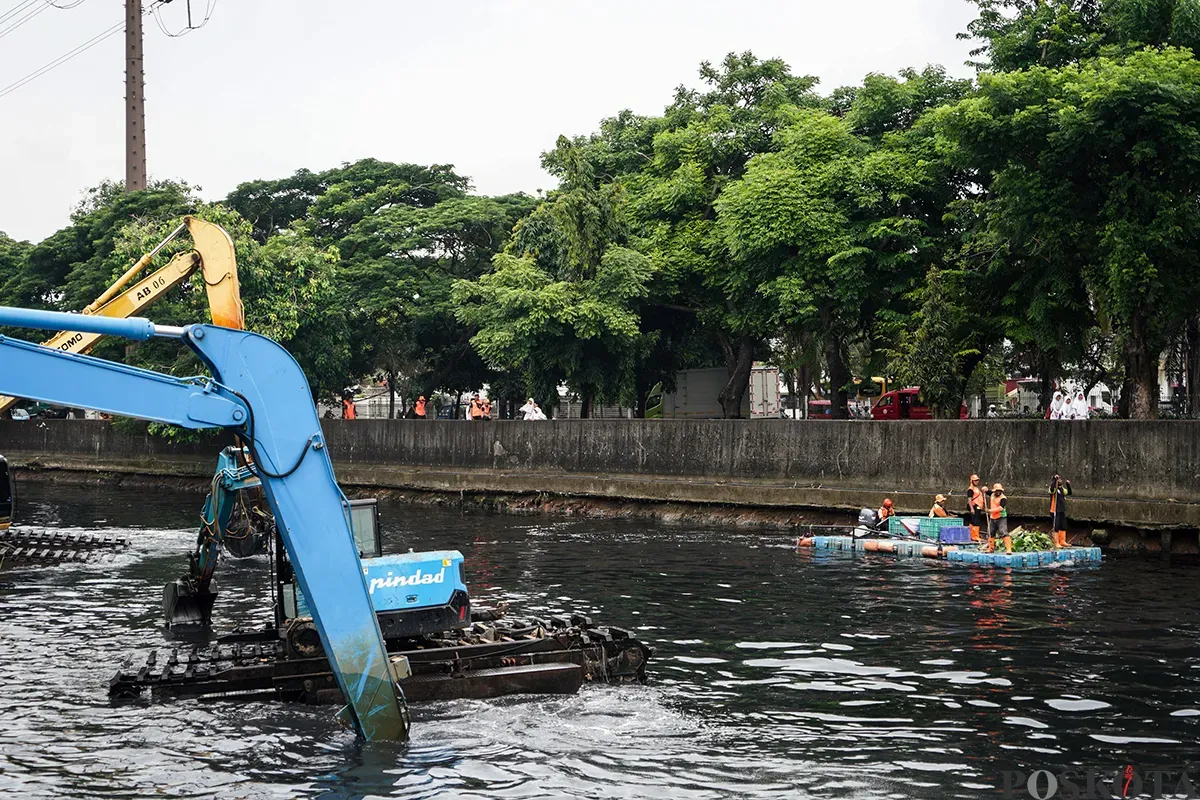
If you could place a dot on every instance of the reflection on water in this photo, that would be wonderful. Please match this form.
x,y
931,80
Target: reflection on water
x,y
778,674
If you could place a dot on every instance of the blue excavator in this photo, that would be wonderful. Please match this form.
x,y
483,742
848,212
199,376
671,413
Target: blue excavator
x,y
257,390
413,594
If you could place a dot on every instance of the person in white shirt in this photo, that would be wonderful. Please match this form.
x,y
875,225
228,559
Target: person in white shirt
x,y
1080,409
528,409
1056,406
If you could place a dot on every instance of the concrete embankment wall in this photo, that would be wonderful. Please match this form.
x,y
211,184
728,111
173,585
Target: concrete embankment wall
x,y
1137,474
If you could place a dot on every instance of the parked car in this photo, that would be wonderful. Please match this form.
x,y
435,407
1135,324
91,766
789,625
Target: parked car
x,y
905,404
820,409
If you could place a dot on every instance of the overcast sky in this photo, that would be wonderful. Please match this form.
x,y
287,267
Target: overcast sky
x,y
270,86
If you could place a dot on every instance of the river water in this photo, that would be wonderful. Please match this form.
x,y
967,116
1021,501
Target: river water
x,y
777,674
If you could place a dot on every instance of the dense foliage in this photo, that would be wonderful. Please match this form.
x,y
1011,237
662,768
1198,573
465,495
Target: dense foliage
x,y
1039,221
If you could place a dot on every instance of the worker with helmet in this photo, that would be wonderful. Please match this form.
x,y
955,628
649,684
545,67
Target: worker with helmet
x,y
1059,490
998,512
976,506
939,506
885,511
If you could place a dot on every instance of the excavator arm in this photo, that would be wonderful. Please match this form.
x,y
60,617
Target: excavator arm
x,y
258,390
213,255
189,600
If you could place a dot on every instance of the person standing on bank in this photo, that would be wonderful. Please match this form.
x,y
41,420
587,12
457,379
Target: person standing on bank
x,y
475,412
999,520
419,408
976,507
1059,491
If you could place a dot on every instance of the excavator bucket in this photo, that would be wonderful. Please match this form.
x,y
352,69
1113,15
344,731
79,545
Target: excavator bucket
x,y
186,607
219,267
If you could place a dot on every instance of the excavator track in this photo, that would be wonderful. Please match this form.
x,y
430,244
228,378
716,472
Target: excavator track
x,y
38,546
489,659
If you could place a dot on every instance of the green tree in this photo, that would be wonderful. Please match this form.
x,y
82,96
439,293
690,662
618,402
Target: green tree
x,y
1018,34
934,351
683,163
1099,161
73,266
289,291
561,304
401,264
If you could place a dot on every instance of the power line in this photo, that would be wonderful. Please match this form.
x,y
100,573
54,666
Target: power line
x,y
64,58
17,9
22,20
208,10
75,51
24,6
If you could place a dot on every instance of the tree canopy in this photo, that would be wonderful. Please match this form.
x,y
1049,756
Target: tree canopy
x,y
1036,221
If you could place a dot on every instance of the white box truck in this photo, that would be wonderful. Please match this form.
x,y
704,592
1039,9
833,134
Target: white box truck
x,y
697,390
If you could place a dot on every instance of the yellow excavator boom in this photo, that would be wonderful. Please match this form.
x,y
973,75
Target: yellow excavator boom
x,y
212,254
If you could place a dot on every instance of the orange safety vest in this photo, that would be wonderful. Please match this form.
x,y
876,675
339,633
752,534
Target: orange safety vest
x,y
976,497
885,512
476,409
937,511
348,411
420,408
998,510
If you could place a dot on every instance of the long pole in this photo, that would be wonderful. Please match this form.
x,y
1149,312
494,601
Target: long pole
x,y
135,112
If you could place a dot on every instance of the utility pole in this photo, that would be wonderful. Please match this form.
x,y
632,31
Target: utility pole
x,y
135,111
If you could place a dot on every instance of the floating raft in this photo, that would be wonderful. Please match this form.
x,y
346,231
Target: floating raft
x,y
955,554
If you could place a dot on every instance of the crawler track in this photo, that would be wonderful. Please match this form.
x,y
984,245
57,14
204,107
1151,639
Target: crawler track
x,y
39,546
488,659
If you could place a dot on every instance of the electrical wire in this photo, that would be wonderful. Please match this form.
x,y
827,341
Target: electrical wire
x,y
16,10
208,11
22,20
64,58
62,8
70,54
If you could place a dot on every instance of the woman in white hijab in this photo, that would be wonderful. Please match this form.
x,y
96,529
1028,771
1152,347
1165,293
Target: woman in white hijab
x,y
1056,406
1080,409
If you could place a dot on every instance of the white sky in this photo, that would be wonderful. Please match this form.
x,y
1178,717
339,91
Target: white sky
x,y
270,86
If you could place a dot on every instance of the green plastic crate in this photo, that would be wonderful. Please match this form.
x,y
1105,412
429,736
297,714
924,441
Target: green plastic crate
x,y
930,527
903,526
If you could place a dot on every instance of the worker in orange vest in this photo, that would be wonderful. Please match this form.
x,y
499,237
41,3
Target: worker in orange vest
x,y
1059,491
976,506
939,506
348,411
998,512
419,408
885,511
475,412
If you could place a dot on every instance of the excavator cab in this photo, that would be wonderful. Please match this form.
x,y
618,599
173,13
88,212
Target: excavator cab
x,y
7,498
